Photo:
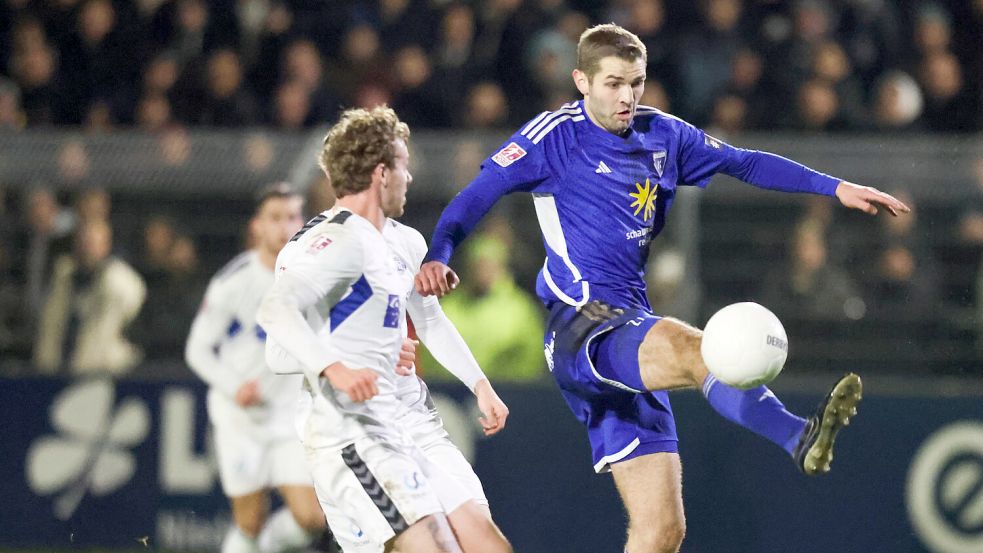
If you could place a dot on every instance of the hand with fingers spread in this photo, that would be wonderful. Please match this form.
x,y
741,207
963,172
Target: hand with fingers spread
x,y
436,279
359,384
493,409
407,358
868,199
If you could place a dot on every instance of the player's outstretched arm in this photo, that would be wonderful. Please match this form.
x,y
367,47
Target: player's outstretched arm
x,y
868,199
436,279
493,409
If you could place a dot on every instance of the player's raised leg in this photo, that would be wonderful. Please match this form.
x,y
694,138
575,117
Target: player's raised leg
x,y
651,489
669,358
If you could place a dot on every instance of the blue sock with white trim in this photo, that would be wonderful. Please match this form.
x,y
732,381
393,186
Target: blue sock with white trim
x,y
756,409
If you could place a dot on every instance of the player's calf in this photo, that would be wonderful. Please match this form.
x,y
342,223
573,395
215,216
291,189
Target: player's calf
x,y
430,534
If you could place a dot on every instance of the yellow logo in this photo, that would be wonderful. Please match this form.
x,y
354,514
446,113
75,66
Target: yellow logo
x,y
644,198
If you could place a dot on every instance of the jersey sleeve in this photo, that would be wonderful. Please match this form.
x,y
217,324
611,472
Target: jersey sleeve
x,y
441,337
522,164
701,156
210,327
322,269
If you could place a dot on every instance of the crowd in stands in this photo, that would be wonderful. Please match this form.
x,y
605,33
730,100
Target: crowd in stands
x,y
832,65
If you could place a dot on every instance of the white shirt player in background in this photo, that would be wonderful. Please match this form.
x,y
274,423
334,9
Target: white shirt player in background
x,y
338,307
251,409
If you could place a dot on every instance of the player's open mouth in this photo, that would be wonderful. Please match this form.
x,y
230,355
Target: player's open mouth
x,y
624,115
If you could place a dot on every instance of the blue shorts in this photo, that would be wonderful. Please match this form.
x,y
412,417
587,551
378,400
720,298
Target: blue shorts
x,y
593,355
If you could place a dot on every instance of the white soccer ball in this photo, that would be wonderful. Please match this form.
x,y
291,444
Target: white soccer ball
x,y
744,345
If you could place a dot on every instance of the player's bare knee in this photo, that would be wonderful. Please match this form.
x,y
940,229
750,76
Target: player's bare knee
x,y
250,524
663,537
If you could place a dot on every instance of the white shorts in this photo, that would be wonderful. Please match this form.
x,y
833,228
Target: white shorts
x,y
372,490
247,465
424,425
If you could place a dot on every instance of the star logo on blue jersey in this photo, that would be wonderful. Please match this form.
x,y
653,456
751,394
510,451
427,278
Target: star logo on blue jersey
x,y
644,199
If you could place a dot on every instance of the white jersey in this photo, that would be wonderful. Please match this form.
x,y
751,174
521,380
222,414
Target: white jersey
x,y
226,349
354,286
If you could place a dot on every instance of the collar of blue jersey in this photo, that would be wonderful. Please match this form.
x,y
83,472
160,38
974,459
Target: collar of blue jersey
x,y
629,141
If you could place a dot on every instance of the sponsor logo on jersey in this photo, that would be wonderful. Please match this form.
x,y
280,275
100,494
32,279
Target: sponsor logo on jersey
x,y
509,155
644,197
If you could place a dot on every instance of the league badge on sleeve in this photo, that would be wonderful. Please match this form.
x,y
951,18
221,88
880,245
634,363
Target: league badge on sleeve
x,y
509,155
711,141
319,243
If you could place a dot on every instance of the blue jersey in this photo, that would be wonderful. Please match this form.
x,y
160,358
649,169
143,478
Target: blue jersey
x,y
601,198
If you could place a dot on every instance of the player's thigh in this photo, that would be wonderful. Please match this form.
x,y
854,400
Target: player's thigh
x,y
370,492
430,534
475,530
669,357
303,505
249,512
444,454
651,487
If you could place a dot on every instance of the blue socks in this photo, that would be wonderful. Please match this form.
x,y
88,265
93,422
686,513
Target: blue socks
x,y
756,409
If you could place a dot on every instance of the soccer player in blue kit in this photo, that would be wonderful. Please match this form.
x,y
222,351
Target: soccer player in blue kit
x,y
603,173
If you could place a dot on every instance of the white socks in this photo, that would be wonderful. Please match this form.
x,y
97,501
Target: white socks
x,y
281,533
237,542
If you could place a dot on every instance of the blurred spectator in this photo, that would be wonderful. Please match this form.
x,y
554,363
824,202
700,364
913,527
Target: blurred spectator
x,y
486,107
93,298
933,30
226,102
93,204
817,108
95,63
172,300
12,117
729,116
292,107
42,98
905,282
949,104
302,65
500,322
831,65
655,96
647,19
361,64
551,55
417,100
809,285
897,102
717,40
153,112
746,83
45,235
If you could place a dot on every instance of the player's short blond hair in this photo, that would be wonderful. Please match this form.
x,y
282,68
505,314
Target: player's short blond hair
x,y
356,144
601,41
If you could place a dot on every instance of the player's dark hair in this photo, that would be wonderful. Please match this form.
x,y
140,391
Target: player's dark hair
x,y
601,41
360,141
276,190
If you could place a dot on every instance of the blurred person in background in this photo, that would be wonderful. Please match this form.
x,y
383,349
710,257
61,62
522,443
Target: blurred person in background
x,y
717,39
905,281
12,117
251,408
45,235
418,97
809,285
93,298
486,107
897,102
226,102
501,322
950,106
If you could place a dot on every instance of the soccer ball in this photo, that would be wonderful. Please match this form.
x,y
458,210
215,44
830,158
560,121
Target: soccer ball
x,y
744,345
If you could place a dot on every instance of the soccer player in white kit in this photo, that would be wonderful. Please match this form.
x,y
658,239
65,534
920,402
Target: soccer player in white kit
x,y
344,284
251,409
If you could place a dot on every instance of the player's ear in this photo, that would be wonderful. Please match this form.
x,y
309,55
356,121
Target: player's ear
x,y
580,79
